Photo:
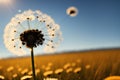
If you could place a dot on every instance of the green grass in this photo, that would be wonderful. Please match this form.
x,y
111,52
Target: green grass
x,y
95,65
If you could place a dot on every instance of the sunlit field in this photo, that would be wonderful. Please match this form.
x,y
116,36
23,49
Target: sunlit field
x,y
85,65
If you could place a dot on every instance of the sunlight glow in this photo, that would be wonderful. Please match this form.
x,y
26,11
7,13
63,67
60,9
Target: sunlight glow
x,y
5,1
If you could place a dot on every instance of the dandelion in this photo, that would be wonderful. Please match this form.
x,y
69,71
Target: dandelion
x,y
26,77
66,65
47,68
50,79
30,73
78,61
2,77
36,72
76,70
1,67
87,66
19,69
9,69
24,71
29,30
72,11
50,64
43,67
69,70
15,75
58,71
112,78
73,64
47,73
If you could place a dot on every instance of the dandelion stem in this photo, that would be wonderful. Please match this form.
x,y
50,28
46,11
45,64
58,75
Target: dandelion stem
x,y
33,67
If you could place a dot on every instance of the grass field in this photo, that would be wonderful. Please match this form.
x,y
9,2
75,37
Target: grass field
x,y
85,65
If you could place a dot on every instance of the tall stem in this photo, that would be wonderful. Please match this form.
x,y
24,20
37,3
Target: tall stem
x,y
33,67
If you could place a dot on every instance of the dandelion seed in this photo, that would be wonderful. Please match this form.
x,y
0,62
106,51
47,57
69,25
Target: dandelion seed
x,y
72,11
26,77
69,70
76,70
47,73
2,77
58,71
112,78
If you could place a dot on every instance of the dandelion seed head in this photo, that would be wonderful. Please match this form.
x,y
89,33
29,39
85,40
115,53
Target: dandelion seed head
x,y
29,21
72,11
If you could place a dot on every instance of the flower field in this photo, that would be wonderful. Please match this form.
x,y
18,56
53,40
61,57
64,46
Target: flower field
x,y
85,65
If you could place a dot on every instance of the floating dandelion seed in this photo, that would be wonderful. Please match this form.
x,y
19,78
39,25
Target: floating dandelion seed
x,y
31,29
72,11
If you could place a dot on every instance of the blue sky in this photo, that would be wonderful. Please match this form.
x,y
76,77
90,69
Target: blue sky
x,y
97,24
